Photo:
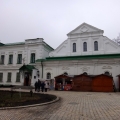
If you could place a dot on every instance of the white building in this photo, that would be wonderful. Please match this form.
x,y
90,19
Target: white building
x,y
15,55
85,50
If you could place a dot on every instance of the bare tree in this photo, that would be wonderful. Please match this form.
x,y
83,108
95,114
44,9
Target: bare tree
x,y
117,40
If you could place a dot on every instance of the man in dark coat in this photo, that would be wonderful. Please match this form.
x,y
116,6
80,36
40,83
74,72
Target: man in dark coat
x,y
36,86
39,84
42,86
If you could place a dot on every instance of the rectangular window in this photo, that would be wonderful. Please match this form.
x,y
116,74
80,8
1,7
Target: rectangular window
x,y
9,77
32,57
19,59
1,77
10,59
2,59
17,77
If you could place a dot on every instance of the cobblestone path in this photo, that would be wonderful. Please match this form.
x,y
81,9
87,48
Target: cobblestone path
x,y
72,106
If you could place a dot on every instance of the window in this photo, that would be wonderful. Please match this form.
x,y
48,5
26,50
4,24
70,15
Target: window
x,y
32,57
10,59
9,77
84,46
2,59
107,73
19,60
17,77
85,73
95,46
48,76
65,73
1,77
74,47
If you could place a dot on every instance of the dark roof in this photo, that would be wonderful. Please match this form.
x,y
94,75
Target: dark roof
x,y
27,67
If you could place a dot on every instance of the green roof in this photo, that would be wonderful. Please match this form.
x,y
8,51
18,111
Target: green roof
x,y
1,44
17,43
10,44
82,57
27,67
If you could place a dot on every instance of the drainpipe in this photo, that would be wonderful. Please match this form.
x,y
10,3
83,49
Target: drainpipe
x,y
42,68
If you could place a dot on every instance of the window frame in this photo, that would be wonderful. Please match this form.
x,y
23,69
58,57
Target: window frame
x,y
65,73
19,59
107,73
2,60
10,59
95,45
85,46
74,47
32,58
48,75
9,76
1,78
17,77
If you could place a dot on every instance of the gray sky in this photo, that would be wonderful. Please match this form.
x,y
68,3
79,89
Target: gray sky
x,y
53,19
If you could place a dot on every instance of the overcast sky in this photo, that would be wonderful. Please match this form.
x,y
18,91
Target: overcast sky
x,y
53,19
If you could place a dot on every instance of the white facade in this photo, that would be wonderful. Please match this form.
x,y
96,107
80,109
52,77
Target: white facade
x,y
36,46
63,59
93,53
89,34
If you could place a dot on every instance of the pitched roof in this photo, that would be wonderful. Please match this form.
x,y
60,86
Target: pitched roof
x,y
84,24
27,67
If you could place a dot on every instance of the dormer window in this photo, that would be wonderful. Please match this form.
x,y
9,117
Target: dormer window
x,y
84,46
96,46
74,47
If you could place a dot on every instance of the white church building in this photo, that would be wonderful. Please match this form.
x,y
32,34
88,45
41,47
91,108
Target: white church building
x,y
85,50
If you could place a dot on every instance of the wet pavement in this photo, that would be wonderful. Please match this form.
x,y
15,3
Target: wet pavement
x,y
71,106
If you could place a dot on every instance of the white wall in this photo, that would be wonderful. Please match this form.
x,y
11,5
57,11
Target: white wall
x,y
92,67
88,34
36,46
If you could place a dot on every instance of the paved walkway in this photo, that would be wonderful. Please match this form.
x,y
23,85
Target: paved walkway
x,y
72,106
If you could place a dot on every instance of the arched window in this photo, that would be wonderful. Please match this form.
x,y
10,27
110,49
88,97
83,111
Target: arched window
x,y
107,73
96,46
84,46
74,47
85,73
48,76
65,73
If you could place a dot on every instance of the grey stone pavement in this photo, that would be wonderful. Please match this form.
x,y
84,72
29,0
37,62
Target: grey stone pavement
x,y
71,106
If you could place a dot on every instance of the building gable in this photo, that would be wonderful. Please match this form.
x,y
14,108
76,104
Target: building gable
x,y
83,28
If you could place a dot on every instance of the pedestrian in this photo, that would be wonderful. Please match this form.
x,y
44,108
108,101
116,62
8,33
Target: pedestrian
x,y
39,84
46,86
36,86
42,86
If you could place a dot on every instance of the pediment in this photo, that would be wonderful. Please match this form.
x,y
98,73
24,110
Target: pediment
x,y
84,28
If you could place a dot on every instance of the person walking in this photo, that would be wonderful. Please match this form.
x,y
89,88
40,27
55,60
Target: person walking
x,y
42,86
46,86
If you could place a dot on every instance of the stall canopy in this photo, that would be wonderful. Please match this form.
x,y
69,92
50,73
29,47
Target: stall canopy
x,y
27,67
